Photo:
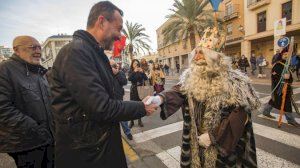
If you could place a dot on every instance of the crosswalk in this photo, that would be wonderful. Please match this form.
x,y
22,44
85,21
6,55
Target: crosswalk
x,y
171,157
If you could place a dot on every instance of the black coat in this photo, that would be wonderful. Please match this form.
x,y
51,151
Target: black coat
x,y
243,62
137,79
121,81
277,94
25,112
253,60
86,111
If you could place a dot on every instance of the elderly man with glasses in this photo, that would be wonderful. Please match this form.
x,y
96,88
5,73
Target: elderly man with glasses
x,y
26,124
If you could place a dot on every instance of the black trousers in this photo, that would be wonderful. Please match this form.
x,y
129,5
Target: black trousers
x,y
41,157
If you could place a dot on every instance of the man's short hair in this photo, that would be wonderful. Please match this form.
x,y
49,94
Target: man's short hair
x,y
104,8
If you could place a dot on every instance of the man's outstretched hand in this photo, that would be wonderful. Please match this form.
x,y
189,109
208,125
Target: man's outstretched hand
x,y
149,107
158,100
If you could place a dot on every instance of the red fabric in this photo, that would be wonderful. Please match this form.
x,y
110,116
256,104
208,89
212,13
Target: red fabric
x,y
119,45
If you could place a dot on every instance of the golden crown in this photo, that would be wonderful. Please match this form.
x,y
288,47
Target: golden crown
x,y
212,39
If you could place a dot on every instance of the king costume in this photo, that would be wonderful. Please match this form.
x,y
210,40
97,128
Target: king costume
x,y
216,102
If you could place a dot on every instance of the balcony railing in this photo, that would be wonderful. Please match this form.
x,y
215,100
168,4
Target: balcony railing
x,y
231,12
253,4
234,38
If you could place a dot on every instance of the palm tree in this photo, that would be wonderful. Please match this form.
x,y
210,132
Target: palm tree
x,y
138,40
188,19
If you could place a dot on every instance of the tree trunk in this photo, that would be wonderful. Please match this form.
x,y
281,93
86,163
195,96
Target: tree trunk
x,y
131,51
192,40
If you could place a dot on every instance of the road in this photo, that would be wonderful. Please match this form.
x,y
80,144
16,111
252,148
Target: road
x,y
157,144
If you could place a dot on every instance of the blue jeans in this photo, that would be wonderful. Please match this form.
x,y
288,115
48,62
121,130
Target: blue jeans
x,y
125,127
268,108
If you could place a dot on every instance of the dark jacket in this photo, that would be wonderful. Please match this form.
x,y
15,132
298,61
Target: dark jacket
x,y
25,115
121,81
276,100
243,62
276,58
253,60
86,111
137,79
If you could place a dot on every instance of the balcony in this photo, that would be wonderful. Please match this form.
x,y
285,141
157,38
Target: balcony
x,y
233,39
254,4
232,11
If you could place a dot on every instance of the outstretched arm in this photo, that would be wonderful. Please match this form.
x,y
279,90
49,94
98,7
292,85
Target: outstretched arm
x,y
170,101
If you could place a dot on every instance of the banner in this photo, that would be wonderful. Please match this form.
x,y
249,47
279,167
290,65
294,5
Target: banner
x,y
215,4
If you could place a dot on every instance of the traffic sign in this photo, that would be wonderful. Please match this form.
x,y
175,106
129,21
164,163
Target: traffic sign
x,y
283,42
280,27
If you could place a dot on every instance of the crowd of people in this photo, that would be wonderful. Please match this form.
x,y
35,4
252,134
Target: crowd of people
x,y
260,63
70,116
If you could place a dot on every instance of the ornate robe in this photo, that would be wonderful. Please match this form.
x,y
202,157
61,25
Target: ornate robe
x,y
237,147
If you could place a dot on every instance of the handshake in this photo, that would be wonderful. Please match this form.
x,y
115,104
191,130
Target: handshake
x,y
151,103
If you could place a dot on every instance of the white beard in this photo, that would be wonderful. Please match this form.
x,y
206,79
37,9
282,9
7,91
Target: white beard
x,y
218,84
202,81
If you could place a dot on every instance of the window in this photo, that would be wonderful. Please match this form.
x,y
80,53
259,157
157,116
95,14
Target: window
x,y
229,9
287,12
261,22
229,29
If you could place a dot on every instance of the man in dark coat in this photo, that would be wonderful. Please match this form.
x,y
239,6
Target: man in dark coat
x,y
276,57
26,123
276,100
253,63
86,110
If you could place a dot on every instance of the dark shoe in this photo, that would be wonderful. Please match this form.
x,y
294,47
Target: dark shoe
x,y
140,123
269,116
129,136
294,123
131,124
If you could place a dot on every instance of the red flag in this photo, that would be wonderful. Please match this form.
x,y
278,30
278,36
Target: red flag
x,y
119,45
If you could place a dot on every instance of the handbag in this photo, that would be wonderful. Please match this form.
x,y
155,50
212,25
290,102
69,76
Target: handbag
x,y
263,63
145,90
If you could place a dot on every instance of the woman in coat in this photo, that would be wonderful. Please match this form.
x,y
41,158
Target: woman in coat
x,y
157,78
137,77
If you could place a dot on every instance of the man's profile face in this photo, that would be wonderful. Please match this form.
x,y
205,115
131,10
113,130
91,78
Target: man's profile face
x,y
112,30
29,50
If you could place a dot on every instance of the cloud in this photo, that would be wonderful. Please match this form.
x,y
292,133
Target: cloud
x,y
42,19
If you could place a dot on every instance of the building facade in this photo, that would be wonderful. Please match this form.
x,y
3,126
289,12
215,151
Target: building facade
x,y
51,47
152,57
260,16
176,52
234,26
172,53
6,52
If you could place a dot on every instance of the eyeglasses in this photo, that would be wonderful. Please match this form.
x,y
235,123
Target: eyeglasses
x,y
32,47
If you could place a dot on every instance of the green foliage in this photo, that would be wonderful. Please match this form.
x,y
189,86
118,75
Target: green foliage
x,y
137,39
188,18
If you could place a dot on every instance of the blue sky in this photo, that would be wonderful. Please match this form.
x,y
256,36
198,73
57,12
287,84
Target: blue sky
x,y
43,18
